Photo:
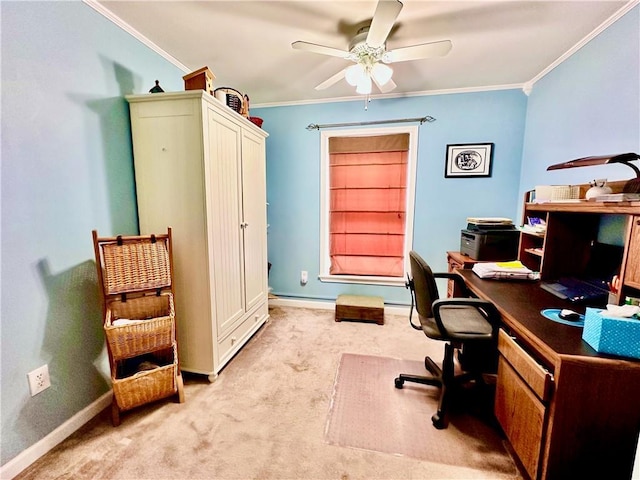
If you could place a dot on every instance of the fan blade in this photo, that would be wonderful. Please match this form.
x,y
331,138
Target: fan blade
x,y
417,52
386,13
321,49
331,80
387,87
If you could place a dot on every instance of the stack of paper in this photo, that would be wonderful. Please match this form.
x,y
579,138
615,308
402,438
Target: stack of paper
x,y
505,271
489,220
618,197
535,229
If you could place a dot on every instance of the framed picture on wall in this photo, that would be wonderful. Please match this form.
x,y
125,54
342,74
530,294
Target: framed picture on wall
x,y
469,160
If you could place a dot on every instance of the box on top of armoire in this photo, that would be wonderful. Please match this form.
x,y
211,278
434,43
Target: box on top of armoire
x,y
201,79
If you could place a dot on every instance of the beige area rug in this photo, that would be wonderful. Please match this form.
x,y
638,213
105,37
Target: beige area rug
x,y
367,412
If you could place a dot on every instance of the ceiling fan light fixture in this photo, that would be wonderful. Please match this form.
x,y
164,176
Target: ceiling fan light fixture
x,y
354,74
382,73
364,85
368,51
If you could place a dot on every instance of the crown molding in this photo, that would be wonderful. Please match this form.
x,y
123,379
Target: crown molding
x,y
136,34
361,98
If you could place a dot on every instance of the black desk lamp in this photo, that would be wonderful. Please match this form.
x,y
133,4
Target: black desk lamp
x,y
632,186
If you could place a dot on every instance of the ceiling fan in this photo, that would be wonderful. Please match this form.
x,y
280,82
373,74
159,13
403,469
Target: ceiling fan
x,y
369,52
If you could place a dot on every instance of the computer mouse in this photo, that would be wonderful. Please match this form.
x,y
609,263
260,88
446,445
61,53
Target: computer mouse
x,y
567,314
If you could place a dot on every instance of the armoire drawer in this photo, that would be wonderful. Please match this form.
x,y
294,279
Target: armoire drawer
x,y
229,345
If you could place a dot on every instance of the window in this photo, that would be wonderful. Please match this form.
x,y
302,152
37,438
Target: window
x,y
368,181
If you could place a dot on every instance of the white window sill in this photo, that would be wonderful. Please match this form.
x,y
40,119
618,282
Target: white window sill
x,y
363,280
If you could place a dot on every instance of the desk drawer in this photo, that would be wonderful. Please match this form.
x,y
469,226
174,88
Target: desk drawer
x,y
535,376
522,416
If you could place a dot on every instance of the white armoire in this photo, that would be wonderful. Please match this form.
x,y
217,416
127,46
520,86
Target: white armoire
x,y
200,168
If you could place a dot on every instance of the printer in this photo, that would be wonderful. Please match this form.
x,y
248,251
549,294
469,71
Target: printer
x,y
490,239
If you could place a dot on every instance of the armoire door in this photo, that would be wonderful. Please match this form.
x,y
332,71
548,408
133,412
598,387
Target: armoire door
x,y
255,218
224,219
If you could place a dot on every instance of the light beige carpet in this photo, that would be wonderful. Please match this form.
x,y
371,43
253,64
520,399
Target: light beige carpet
x,y
263,418
368,412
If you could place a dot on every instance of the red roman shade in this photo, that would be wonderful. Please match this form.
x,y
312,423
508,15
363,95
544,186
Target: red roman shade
x,y
368,183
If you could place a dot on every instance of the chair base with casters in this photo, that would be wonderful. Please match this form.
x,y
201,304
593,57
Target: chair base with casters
x,y
468,325
444,378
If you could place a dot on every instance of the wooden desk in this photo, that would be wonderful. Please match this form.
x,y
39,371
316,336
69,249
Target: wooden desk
x,y
586,425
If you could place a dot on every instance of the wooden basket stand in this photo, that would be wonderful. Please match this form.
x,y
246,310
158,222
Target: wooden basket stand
x,y
135,275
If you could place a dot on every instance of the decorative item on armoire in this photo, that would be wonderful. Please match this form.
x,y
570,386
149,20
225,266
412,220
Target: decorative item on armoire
x,y
245,106
135,275
257,121
157,88
231,97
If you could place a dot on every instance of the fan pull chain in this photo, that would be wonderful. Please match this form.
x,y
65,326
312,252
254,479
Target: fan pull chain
x,y
367,99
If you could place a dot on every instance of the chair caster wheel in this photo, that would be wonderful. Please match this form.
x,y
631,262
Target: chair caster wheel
x,y
438,421
399,382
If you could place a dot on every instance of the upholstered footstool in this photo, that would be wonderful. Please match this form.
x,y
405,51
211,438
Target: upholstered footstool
x,y
361,308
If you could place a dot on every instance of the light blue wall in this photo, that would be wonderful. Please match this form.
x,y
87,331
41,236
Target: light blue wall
x,y
66,169
589,105
442,204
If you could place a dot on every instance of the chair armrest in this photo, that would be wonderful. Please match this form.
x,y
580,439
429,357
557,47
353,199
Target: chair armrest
x,y
449,275
486,308
459,281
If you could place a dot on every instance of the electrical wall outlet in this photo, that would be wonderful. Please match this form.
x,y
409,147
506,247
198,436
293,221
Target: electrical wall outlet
x,y
39,380
304,277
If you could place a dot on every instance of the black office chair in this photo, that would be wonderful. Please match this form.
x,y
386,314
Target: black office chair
x,y
468,325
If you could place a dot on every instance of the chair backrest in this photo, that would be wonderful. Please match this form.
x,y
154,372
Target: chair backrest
x,y
425,287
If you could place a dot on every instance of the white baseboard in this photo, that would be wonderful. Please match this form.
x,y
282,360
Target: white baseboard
x,y
25,458
329,305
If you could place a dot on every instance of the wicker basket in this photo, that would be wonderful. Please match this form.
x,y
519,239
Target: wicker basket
x,y
145,386
155,331
135,266
231,97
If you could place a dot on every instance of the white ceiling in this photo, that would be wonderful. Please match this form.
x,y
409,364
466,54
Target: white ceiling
x,y
247,44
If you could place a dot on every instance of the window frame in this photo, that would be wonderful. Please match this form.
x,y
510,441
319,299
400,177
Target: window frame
x,y
412,160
